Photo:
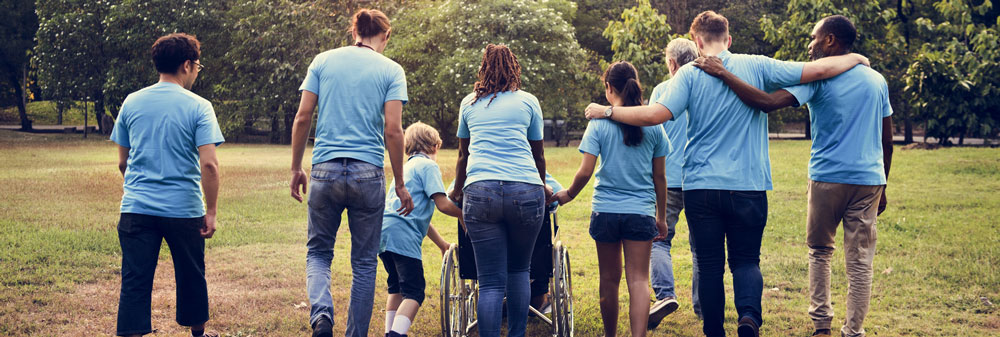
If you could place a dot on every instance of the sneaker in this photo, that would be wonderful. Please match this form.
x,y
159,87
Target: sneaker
x,y
395,334
659,310
323,327
823,333
747,328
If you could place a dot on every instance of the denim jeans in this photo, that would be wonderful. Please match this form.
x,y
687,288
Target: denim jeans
x,y
661,267
140,236
359,187
732,221
503,219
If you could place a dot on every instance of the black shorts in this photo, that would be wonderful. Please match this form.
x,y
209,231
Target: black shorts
x,y
406,276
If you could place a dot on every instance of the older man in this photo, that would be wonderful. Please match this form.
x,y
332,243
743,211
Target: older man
x,y
679,52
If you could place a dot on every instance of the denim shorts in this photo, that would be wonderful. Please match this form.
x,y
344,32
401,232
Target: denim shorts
x,y
615,227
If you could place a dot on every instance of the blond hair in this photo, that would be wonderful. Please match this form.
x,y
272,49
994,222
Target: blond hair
x,y
420,137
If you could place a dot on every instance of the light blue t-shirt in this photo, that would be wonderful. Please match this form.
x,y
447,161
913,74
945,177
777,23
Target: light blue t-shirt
x,y
676,130
404,234
353,83
499,135
625,173
727,140
846,114
163,125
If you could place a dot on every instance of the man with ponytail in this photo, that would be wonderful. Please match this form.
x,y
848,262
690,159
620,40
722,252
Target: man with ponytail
x,y
726,166
359,95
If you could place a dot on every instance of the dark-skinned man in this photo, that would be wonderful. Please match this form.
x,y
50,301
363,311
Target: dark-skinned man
x,y
851,153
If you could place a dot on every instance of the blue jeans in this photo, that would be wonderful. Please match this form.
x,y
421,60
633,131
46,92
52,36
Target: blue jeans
x,y
503,219
359,187
661,267
732,221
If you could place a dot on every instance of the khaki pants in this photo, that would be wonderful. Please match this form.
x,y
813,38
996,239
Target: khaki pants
x,y
857,207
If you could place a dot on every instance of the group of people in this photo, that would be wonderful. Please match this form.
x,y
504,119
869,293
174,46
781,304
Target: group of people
x,y
699,145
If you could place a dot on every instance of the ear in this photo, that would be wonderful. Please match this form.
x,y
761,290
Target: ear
x,y
829,40
700,44
729,41
388,33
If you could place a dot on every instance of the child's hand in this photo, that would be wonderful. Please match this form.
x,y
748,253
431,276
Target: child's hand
x,y
661,226
444,249
562,197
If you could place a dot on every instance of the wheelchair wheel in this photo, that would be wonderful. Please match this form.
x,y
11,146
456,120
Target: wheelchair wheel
x,y
562,280
452,303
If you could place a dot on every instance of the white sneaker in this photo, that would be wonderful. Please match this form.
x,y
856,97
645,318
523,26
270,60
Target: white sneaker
x,y
659,310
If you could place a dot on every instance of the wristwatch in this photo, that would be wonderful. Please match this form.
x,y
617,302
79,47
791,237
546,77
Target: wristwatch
x,y
607,112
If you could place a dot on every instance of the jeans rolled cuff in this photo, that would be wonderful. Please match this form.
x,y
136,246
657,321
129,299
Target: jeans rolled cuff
x,y
821,324
312,320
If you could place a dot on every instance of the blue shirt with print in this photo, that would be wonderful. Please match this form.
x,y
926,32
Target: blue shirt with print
x,y
625,173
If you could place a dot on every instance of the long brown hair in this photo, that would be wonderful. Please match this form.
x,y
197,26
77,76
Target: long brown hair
x,y
498,72
624,79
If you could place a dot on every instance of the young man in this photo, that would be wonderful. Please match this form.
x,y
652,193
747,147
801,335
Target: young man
x,y
678,53
726,167
166,139
851,154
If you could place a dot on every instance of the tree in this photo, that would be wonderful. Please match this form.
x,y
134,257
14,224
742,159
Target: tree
x,y
440,46
18,24
639,38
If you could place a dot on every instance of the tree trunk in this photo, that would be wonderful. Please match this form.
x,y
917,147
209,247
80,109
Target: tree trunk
x,y
100,115
59,109
289,122
85,115
21,105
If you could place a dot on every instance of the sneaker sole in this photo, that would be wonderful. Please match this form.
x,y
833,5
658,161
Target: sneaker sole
x,y
657,316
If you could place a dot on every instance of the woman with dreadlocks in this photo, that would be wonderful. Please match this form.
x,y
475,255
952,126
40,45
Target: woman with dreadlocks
x,y
501,173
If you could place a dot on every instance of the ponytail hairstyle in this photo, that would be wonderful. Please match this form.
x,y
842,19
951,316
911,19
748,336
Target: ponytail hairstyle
x,y
498,72
369,22
622,77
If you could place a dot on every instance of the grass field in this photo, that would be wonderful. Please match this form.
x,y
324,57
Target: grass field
x,y
936,271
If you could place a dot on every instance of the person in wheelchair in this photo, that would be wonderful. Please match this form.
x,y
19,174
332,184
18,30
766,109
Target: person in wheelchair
x,y
541,257
631,189
402,235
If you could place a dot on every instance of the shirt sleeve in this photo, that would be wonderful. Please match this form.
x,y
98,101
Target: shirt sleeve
x,y
552,182
779,74
433,184
663,146
677,92
802,92
536,128
207,130
311,83
463,126
590,143
119,133
397,87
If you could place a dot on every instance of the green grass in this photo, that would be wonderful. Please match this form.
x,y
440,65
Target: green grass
x,y
60,259
45,113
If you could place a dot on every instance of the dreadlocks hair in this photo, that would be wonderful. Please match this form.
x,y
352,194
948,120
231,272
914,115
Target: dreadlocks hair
x,y
622,77
498,72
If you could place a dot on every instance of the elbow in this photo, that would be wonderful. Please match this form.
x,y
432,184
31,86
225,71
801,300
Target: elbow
x,y
210,169
394,133
122,167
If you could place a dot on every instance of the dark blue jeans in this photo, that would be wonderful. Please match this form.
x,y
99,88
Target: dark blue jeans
x,y
140,236
358,187
722,221
503,219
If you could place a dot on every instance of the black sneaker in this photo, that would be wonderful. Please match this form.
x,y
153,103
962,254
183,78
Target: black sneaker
x,y
747,328
659,310
323,327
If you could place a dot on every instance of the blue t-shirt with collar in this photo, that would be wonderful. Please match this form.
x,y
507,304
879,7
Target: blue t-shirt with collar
x,y
498,133
676,130
403,235
353,84
846,114
625,173
727,140
163,125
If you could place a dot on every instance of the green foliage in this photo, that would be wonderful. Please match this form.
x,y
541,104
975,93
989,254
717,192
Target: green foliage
x,y
440,46
70,53
639,37
18,24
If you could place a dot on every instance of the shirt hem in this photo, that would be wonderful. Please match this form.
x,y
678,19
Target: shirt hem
x,y
848,181
176,215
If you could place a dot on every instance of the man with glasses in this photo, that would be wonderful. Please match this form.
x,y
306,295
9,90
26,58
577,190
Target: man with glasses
x,y
166,138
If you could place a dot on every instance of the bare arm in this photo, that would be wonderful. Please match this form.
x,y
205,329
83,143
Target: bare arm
x,y
446,206
300,134
210,185
640,115
438,240
886,156
579,181
460,166
660,185
831,66
122,159
747,93
394,143
538,153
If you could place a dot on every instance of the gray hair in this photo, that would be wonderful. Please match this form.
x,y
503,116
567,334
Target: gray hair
x,y
682,51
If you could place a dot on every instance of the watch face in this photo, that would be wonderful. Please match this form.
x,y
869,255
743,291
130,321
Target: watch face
x,y
607,112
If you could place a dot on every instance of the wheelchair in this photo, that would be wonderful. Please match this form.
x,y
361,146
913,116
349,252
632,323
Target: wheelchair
x,y
460,290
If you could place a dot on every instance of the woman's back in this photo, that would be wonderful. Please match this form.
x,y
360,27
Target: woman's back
x,y
625,173
498,132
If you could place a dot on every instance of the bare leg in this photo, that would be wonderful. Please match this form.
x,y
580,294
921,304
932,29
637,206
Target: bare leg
x,y
637,279
609,260
391,306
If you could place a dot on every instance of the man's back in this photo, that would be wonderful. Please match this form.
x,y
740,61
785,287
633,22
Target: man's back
x,y
846,112
163,125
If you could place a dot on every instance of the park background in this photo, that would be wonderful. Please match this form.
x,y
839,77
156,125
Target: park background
x,y
67,64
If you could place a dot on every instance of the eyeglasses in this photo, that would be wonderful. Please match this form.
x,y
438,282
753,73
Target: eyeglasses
x,y
200,66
